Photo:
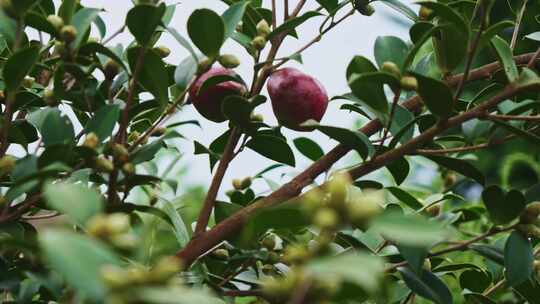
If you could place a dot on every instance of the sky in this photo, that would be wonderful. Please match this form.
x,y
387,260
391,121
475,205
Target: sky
x,y
326,61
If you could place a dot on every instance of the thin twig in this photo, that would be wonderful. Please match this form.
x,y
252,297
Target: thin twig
x,y
493,288
274,18
397,94
465,148
513,117
518,25
286,10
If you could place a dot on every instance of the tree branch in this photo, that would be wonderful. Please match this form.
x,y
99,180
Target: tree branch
x,y
291,189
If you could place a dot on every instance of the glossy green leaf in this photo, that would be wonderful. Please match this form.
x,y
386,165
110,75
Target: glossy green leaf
x,y
180,229
409,229
503,207
359,65
460,166
415,256
354,140
82,20
78,202
308,148
518,259
272,147
474,280
207,31
8,27
103,122
478,298
436,95
54,127
505,55
494,30
329,5
232,16
370,91
427,285
392,49
64,252
447,13
19,66
406,198
143,20
450,47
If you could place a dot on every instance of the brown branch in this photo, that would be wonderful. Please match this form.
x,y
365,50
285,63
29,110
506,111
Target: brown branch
x,y
274,18
397,94
465,148
513,117
286,9
291,189
209,201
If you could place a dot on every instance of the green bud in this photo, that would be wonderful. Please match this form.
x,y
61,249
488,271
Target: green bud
x,y
221,253
204,65
296,254
273,258
263,28
111,69
7,164
246,183
531,213
68,33
128,169
104,165
409,83
427,264
326,218
434,210
425,13
162,51
125,241
137,275
237,184
158,132
114,277
56,21
268,269
364,207
259,42
28,82
166,268
3,201
50,98
229,61
450,179
392,68
257,117
120,153
118,223
269,242
338,189
91,141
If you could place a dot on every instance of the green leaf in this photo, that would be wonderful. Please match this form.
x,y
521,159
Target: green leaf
x,y
67,9
505,56
406,198
103,122
53,126
308,148
491,252
390,48
531,137
401,8
533,36
415,256
18,66
518,259
153,75
460,166
143,20
146,152
448,14
78,202
232,16
65,252
474,280
361,269
409,230
329,5
399,169
503,207
436,95
272,147
493,30
360,65
174,295
427,285
207,31
292,23
450,47
370,91
8,27
180,229
478,298
185,72
354,140
82,20
529,290
224,210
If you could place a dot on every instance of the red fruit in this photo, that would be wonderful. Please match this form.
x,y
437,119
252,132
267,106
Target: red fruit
x,y
296,97
209,102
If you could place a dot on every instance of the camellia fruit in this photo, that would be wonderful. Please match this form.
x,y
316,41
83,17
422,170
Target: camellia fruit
x,y
208,102
296,98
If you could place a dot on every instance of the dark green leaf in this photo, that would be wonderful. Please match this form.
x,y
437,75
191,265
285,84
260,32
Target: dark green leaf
x,y
436,95
272,147
402,8
505,55
518,259
427,285
352,139
232,16
143,20
207,31
82,20
370,91
78,202
103,121
409,229
474,280
308,148
18,66
359,65
503,207
415,256
460,166
390,48
406,198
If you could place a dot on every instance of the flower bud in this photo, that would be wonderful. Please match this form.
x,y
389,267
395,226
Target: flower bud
x,y
111,69
28,82
392,68
50,98
425,13
434,210
128,168
221,253
56,21
104,165
326,219
229,61
338,189
165,269
120,153
91,141
409,83
237,184
263,28
257,117
68,33
162,51
118,223
204,65
531,213
269,242
258,42
2,96
124,241
450,179
114,277
364,207
246,183
7,164
296,254
427,264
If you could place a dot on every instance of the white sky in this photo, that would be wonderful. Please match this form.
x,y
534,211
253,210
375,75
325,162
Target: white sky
x,y
326,61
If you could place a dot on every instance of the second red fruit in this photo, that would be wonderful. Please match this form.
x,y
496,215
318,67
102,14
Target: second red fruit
x,y
208,103
296,97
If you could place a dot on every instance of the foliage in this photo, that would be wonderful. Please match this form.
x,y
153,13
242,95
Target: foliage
x,y
94,208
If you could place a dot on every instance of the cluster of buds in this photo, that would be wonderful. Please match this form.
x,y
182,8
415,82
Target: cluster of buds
x,y
242,184
363,7
339,203
529,221
120,280
263,30
114,229
7,164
